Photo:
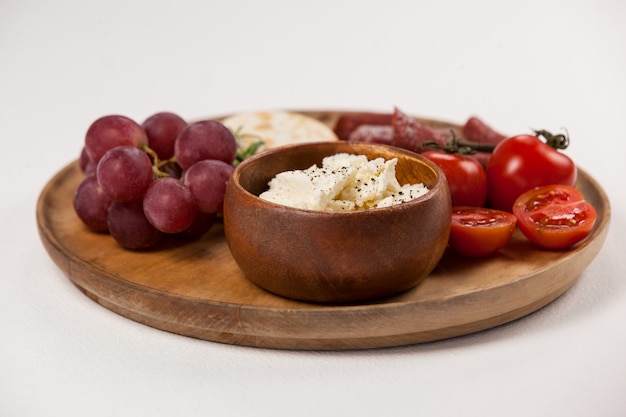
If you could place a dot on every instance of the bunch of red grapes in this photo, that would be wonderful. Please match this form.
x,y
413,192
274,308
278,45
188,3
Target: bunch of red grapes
x,y
163,177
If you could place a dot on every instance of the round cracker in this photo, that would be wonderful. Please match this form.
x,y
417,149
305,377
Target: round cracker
x,y
277,128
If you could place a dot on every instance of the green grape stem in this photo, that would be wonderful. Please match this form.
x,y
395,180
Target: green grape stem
x,y
157,164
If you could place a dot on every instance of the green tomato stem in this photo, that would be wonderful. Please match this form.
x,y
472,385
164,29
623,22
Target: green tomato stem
x,y
559,141
460,146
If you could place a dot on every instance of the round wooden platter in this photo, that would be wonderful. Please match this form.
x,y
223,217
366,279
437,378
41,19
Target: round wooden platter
x,y
196,289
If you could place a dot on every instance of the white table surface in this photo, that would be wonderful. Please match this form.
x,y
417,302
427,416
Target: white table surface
x,y
519,65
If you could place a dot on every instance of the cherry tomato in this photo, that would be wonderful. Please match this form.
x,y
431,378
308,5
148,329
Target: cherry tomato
x,y
477,231
554,216
523,162
466,177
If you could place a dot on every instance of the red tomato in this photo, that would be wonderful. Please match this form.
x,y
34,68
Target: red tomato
x,y
523,162
466,177
477,231
554,216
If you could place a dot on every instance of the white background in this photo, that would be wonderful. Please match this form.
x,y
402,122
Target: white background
x,y
518,65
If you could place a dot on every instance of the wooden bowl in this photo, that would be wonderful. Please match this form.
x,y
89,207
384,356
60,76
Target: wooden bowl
x,y
335,257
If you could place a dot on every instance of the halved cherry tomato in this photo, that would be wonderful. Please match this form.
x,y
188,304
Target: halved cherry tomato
x,y
466,177
522,162
554,216
477,231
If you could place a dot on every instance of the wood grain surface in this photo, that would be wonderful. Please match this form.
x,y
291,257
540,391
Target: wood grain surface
x,y
196,289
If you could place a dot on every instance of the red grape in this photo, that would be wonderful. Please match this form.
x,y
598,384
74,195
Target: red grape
x,y
125,173
129,226
162,130
169,205
110,131
202,140
91,204
86,164
202,223
207,182
138,194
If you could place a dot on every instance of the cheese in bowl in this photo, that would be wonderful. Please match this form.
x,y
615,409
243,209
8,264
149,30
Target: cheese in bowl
x,y
343,182
343,255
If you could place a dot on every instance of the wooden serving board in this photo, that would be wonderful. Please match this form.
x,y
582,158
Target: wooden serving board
x,y
196,289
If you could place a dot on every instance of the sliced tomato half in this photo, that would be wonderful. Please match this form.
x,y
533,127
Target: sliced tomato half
x,y
477,231
554,216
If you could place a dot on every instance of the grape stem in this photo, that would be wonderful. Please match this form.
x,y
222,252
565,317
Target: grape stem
x,y
157,164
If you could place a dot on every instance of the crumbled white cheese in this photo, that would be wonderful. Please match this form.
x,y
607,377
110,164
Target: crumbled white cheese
x,y
343,182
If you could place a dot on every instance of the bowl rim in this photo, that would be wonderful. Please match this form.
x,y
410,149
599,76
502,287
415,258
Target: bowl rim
x,y
440,182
